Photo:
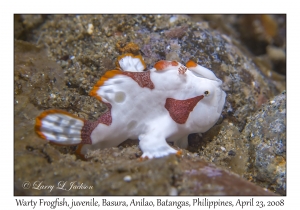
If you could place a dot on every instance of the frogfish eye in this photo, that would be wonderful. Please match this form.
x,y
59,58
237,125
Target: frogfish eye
x,y
206,93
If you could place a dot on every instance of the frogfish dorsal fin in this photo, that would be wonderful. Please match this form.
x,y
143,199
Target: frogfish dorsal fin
x,y
166,65
200,70
130,62
103,79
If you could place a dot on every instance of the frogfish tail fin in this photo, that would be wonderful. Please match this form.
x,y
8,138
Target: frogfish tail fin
x,y
60,127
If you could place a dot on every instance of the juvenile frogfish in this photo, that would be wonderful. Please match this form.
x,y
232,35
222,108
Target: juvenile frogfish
x,y
156,106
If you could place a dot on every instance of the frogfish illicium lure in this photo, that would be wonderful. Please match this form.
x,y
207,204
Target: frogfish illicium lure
x,y
156,106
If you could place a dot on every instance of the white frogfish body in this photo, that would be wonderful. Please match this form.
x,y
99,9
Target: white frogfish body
x,y
163,104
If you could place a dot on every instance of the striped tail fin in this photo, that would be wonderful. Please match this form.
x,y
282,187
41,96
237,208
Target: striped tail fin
x,y
59,127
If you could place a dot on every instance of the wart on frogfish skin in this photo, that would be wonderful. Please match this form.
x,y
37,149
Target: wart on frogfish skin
x,y
167,103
